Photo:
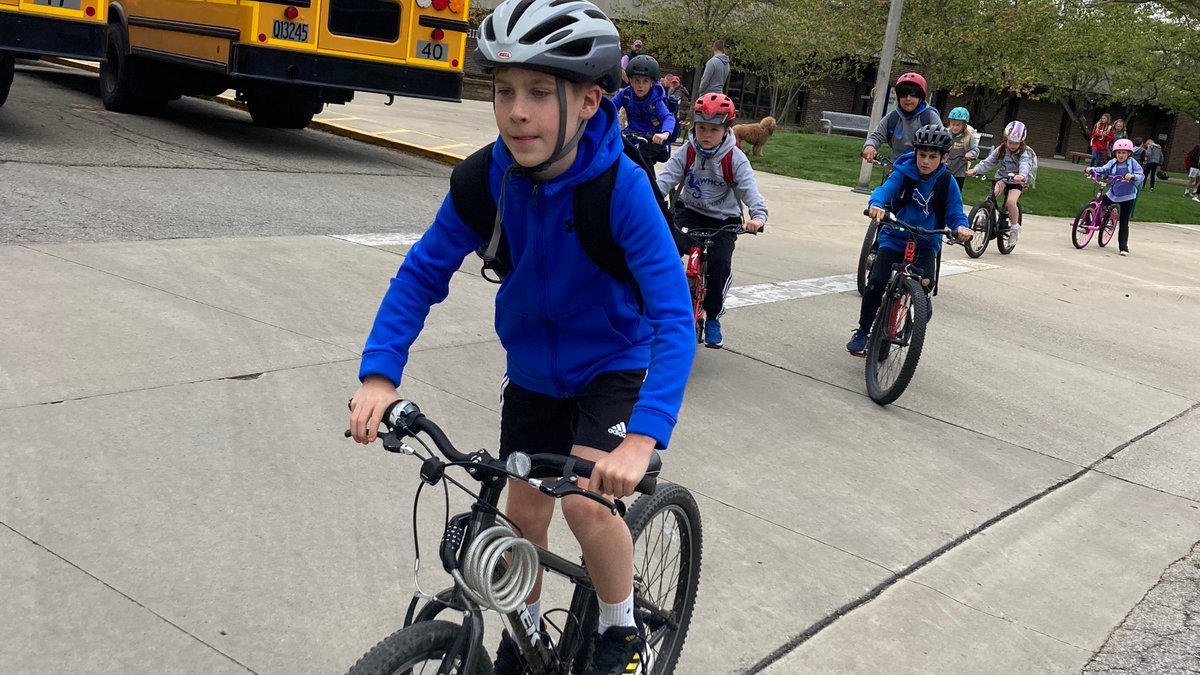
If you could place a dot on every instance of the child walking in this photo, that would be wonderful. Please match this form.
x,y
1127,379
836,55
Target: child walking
x,y
1126,175
716,179
589,373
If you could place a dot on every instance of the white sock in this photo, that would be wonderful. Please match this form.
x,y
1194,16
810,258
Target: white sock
x,y
535,612
620,614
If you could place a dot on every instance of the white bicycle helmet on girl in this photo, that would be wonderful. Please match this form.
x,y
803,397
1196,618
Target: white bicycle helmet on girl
x,y
1015,131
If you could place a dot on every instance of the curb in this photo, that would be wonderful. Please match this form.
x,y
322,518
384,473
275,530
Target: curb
x,y
367,137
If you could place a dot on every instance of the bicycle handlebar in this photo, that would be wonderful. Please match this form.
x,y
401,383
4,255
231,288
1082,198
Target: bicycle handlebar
x,y
890,219
735,228
405,419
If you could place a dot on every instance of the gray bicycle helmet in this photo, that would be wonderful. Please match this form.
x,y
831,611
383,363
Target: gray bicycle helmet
x,y
933,137
643,65
571,39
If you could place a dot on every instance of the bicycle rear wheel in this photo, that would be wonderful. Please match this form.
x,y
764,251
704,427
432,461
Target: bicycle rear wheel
x,y
981,227
1081,231
1004,243
896,341
1109,226
417,649
866,255
667,547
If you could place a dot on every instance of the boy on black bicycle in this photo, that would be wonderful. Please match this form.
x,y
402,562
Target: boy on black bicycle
x,y
591,372
922,193
646,111
716,179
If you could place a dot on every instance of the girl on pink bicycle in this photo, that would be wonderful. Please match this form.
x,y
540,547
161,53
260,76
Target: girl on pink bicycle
x,y
1121,192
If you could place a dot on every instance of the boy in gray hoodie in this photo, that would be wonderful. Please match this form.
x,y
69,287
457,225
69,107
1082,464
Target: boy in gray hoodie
x,y
716,179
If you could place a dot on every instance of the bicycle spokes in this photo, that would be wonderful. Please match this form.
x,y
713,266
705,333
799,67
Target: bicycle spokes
x,y
659,574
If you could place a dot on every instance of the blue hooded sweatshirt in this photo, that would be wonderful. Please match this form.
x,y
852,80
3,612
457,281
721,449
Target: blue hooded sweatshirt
x,y
918,212
648,115
562,320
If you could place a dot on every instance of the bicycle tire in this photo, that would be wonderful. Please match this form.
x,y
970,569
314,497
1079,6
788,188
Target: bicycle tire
x,y
866,257
881,352
399,652
1003,243
641,517
980,220
1109,228
1082,237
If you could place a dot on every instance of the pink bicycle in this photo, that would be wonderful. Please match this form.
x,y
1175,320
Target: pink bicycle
x,y
1095,217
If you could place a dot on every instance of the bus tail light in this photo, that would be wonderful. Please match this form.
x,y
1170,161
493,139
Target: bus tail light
x,y
440,5
291,13
438,34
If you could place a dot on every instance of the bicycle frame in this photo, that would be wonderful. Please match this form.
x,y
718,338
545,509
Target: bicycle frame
x,y
696,267
462,529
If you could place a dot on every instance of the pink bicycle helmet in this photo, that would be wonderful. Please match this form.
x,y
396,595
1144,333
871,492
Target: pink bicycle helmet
x,y
1123,144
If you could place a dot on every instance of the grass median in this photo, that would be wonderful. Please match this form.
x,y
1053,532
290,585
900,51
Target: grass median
x,y
1059,192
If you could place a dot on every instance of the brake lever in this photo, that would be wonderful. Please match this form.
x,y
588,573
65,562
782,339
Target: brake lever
x,y
568,486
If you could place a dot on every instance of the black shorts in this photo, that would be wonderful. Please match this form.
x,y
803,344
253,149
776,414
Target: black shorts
x,y
534,423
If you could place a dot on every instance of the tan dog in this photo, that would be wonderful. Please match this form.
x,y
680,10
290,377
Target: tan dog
x,y
755,134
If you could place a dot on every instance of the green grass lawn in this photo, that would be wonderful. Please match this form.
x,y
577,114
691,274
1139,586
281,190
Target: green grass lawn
x,y
834,159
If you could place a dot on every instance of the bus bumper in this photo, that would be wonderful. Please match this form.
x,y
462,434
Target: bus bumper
x,y
41,36
331,72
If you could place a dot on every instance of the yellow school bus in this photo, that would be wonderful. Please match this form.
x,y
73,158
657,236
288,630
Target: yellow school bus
x,y
284,58
70,28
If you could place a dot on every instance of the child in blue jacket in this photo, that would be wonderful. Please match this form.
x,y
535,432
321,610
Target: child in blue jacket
x,y
591,372
1126,175
646,111
926,167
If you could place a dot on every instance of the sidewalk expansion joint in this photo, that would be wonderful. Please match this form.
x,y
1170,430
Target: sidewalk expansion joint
x,y
128,597
829,619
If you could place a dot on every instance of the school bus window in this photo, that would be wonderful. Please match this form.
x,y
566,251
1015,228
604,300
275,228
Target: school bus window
x,y
371,19
68,4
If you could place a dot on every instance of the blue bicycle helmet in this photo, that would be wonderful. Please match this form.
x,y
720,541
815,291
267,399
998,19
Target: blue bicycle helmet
x,y
961,114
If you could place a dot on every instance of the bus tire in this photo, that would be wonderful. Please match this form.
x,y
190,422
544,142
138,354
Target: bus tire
x,y
120,89
280,113
7,67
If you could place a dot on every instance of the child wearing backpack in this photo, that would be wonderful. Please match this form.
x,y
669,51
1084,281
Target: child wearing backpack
x,y
922,193
1127,177
1191,163
647,109
896,129
596,365
965,148
1011,157
716,179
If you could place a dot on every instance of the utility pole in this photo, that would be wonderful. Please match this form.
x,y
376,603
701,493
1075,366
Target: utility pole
x,y
882,79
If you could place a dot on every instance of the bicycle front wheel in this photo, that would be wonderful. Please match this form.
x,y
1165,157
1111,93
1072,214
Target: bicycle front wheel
x,y
981,229
1109,226
866,255
896,340
1081,232
419,648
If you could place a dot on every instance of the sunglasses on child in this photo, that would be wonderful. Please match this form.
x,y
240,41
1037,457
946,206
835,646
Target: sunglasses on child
x,y
908,92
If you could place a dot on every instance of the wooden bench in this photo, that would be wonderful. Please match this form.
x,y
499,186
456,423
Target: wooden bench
x,y
857,125
1077,157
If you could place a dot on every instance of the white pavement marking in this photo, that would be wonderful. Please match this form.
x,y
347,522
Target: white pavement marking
x,y
776,291
380,238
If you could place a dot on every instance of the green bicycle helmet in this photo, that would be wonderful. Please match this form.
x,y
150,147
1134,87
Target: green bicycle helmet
x,y
960,114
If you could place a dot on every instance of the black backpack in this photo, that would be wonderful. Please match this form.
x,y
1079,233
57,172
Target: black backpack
x,y
673,106
941,188
472,196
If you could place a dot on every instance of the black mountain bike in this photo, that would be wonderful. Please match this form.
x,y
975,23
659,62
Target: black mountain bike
x,y
870,245
990,220
898,333
494,569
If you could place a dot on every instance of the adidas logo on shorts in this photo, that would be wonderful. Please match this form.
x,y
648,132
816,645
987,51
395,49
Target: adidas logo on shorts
x,y
617,429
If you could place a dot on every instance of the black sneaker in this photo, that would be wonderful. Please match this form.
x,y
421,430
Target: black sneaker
x,y
619,651
508,657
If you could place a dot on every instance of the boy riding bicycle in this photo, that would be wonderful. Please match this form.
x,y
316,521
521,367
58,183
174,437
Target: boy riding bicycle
x,y
645,105
898,128
590,371
716,179
917,187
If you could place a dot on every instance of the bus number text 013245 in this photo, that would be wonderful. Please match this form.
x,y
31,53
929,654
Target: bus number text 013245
x,y
289,30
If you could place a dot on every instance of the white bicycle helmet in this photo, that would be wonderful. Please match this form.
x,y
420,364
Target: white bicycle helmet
x,y
572,39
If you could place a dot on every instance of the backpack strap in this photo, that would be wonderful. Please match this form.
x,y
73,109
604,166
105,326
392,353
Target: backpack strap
x,y
593,223
727,167
689,158
471,193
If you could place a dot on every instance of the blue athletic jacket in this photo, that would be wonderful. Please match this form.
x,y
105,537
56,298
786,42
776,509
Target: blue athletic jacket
x,y
648,115
562,320
918,211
